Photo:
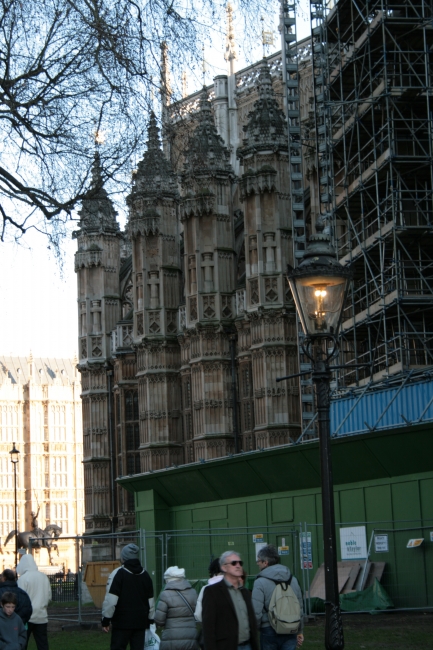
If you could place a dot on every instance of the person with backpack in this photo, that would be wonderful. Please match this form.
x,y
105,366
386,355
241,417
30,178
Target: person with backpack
x,y
277,603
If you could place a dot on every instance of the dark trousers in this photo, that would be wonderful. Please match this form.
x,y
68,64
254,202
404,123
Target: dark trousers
x,y
121,638
39,631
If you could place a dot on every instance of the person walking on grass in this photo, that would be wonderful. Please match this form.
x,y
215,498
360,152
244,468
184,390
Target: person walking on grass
x,y
228,616
38,587
13,635
175,612
272,572
128,605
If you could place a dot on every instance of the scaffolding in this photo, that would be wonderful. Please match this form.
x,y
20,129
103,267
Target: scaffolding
x,y
373,99
292,53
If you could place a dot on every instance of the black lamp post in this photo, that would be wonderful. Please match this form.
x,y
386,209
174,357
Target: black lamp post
x,y
319,286
14,460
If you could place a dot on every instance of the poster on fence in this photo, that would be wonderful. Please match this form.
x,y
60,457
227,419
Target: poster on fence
x,y
353,541
381,544
306,551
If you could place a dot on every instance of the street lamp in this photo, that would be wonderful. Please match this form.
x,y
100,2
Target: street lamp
x,y
14,460
319,286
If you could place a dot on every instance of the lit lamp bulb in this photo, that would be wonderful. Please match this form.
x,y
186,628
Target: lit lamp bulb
x,y
320,313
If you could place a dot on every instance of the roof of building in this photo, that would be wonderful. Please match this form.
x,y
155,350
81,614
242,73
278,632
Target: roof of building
x,y
42,370
365,457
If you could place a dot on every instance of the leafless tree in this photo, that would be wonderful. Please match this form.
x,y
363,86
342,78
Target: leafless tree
x,y
73,68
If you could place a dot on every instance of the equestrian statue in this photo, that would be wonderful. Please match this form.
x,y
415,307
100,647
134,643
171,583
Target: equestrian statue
x,y
37,538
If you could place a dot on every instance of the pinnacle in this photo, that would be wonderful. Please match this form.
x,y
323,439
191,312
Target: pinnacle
x,y
97,181
97,212
154,172
153,141
266,126
206,149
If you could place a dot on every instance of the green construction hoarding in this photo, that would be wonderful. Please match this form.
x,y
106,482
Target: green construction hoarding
x,y
383,488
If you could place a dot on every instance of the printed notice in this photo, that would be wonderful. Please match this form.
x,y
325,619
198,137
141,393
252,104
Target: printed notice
x,y
306,550
353,542
381,544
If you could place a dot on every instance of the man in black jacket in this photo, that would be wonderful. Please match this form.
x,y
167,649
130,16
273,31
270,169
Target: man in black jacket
x,y
128,604
24,607
228,616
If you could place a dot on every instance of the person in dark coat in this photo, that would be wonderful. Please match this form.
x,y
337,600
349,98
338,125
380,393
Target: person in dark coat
x,y
8,582
128,603
229,622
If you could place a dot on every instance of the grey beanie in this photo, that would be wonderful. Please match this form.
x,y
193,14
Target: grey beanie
x,y
129,552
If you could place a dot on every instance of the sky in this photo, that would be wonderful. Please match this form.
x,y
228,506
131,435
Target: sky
x,y
38,298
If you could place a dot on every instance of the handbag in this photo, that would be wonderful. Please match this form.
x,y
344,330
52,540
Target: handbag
x,y
151,639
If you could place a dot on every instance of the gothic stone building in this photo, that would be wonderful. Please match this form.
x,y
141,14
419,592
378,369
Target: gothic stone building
x,y
185,317
40,411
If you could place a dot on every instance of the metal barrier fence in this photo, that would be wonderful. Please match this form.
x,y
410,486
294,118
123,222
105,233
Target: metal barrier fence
x,y
408,565
64,588
401,551
102,548
406,572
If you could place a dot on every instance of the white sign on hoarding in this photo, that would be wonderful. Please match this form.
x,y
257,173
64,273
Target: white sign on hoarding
x,y
306,550
353,542
381,544
258,547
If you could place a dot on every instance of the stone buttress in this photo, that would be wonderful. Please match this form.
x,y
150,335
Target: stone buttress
x,y
209,264
97,264
156,273
267,329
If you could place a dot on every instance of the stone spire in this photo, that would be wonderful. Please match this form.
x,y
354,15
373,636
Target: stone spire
x,y
166,93
266,127
206,151
97,213
230,53
184,84
165,75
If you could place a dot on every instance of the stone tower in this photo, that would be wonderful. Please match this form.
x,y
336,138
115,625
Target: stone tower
x,y
209,262
156,276
97,264
267,334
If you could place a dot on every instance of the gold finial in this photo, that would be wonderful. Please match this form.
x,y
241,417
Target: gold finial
x,y
184,84
99,137
267,37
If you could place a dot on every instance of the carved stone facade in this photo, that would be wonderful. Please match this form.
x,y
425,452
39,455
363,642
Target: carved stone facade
x,y
192,295
40,411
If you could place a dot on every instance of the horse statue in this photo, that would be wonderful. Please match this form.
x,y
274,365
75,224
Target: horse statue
x,y
38,538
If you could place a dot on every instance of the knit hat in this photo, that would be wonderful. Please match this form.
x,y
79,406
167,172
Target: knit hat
x,y
174,573
129,552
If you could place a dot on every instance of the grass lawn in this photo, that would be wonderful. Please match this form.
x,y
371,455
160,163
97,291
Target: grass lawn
x,y
398,631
